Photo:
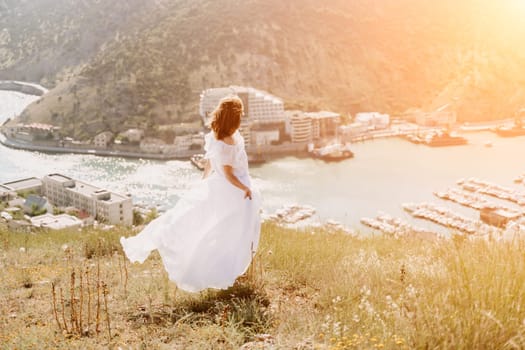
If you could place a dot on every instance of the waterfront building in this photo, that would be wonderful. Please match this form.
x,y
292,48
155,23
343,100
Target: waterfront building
x,y
56,222
375,120
264,137
259,106
351,130
133,135
6,193
324,124
103,139
184,143
31,132
152,145
24,186
246,131
442,116
313,126
102,204
301,127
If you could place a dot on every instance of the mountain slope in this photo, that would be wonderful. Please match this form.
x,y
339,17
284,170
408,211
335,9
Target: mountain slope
x,y
45,38
339,55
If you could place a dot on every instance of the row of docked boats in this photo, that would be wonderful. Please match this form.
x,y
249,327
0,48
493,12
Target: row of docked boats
x,y
474,201
493,190
292,214
467,199
496,219
395,227
446,217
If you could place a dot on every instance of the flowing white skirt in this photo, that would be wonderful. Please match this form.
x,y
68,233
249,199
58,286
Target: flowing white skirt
x,y
207,239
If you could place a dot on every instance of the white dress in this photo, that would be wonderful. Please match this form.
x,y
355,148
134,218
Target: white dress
x,y
209,237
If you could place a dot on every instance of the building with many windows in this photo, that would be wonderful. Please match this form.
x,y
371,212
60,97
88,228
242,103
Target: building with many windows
x,y
259,107
324,124
102,204
6,193
25,186
312,126
301,127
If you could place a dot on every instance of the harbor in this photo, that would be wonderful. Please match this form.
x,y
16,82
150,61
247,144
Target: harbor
x,y
384,172
494,220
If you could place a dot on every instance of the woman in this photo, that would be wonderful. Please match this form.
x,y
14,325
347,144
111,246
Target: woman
x,y
208,239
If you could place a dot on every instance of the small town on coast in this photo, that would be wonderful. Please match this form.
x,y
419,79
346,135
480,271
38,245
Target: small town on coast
x,y
268,129
57,201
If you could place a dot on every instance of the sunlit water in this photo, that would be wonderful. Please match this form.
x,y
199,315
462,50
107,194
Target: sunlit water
x,y
383,175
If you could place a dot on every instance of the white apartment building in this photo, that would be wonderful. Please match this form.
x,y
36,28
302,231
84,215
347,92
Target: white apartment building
x,y
6,193
373,119
259,106
301,127
28,185
104,205
307,127
246,132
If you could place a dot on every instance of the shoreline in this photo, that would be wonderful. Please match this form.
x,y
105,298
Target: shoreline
x,y
13,144
23,87
270,152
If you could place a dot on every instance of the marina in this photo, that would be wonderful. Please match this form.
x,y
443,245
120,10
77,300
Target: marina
x,y
396,227
464,198
341,192
446,217
493,190
292,214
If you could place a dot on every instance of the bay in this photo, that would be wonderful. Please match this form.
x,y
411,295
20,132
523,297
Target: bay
x,y
384,173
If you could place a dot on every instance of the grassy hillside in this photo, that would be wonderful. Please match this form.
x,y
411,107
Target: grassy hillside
x,y
306,290
339,55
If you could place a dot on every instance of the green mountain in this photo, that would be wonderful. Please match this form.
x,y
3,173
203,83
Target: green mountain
x,y
346,56
45,40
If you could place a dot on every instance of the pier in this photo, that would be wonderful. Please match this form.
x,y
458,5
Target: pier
x,y
493,190
396,227
448,218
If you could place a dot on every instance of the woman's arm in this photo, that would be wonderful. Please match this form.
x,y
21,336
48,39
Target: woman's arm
x,y
207,169
230,176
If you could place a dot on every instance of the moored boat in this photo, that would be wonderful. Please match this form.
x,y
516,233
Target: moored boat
x,y
332,153
508,131
444,139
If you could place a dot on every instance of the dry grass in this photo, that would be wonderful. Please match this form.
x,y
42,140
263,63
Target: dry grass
x,y
306,289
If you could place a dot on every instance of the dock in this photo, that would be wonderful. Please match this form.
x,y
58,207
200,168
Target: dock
x,y
493,190
448,218
396,227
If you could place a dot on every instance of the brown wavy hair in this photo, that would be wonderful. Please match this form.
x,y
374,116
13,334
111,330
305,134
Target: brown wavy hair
x,y
227,117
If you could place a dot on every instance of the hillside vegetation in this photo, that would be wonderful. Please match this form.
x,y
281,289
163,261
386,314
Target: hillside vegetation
x,y
311,289
346,56
47,40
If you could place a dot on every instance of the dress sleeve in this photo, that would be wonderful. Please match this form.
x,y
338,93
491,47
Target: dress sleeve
x,y
227,155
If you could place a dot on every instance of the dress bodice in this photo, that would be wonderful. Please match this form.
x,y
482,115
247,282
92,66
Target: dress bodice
x,y
220,154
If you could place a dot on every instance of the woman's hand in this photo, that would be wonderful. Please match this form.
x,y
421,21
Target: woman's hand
x,y
248,193
230,176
